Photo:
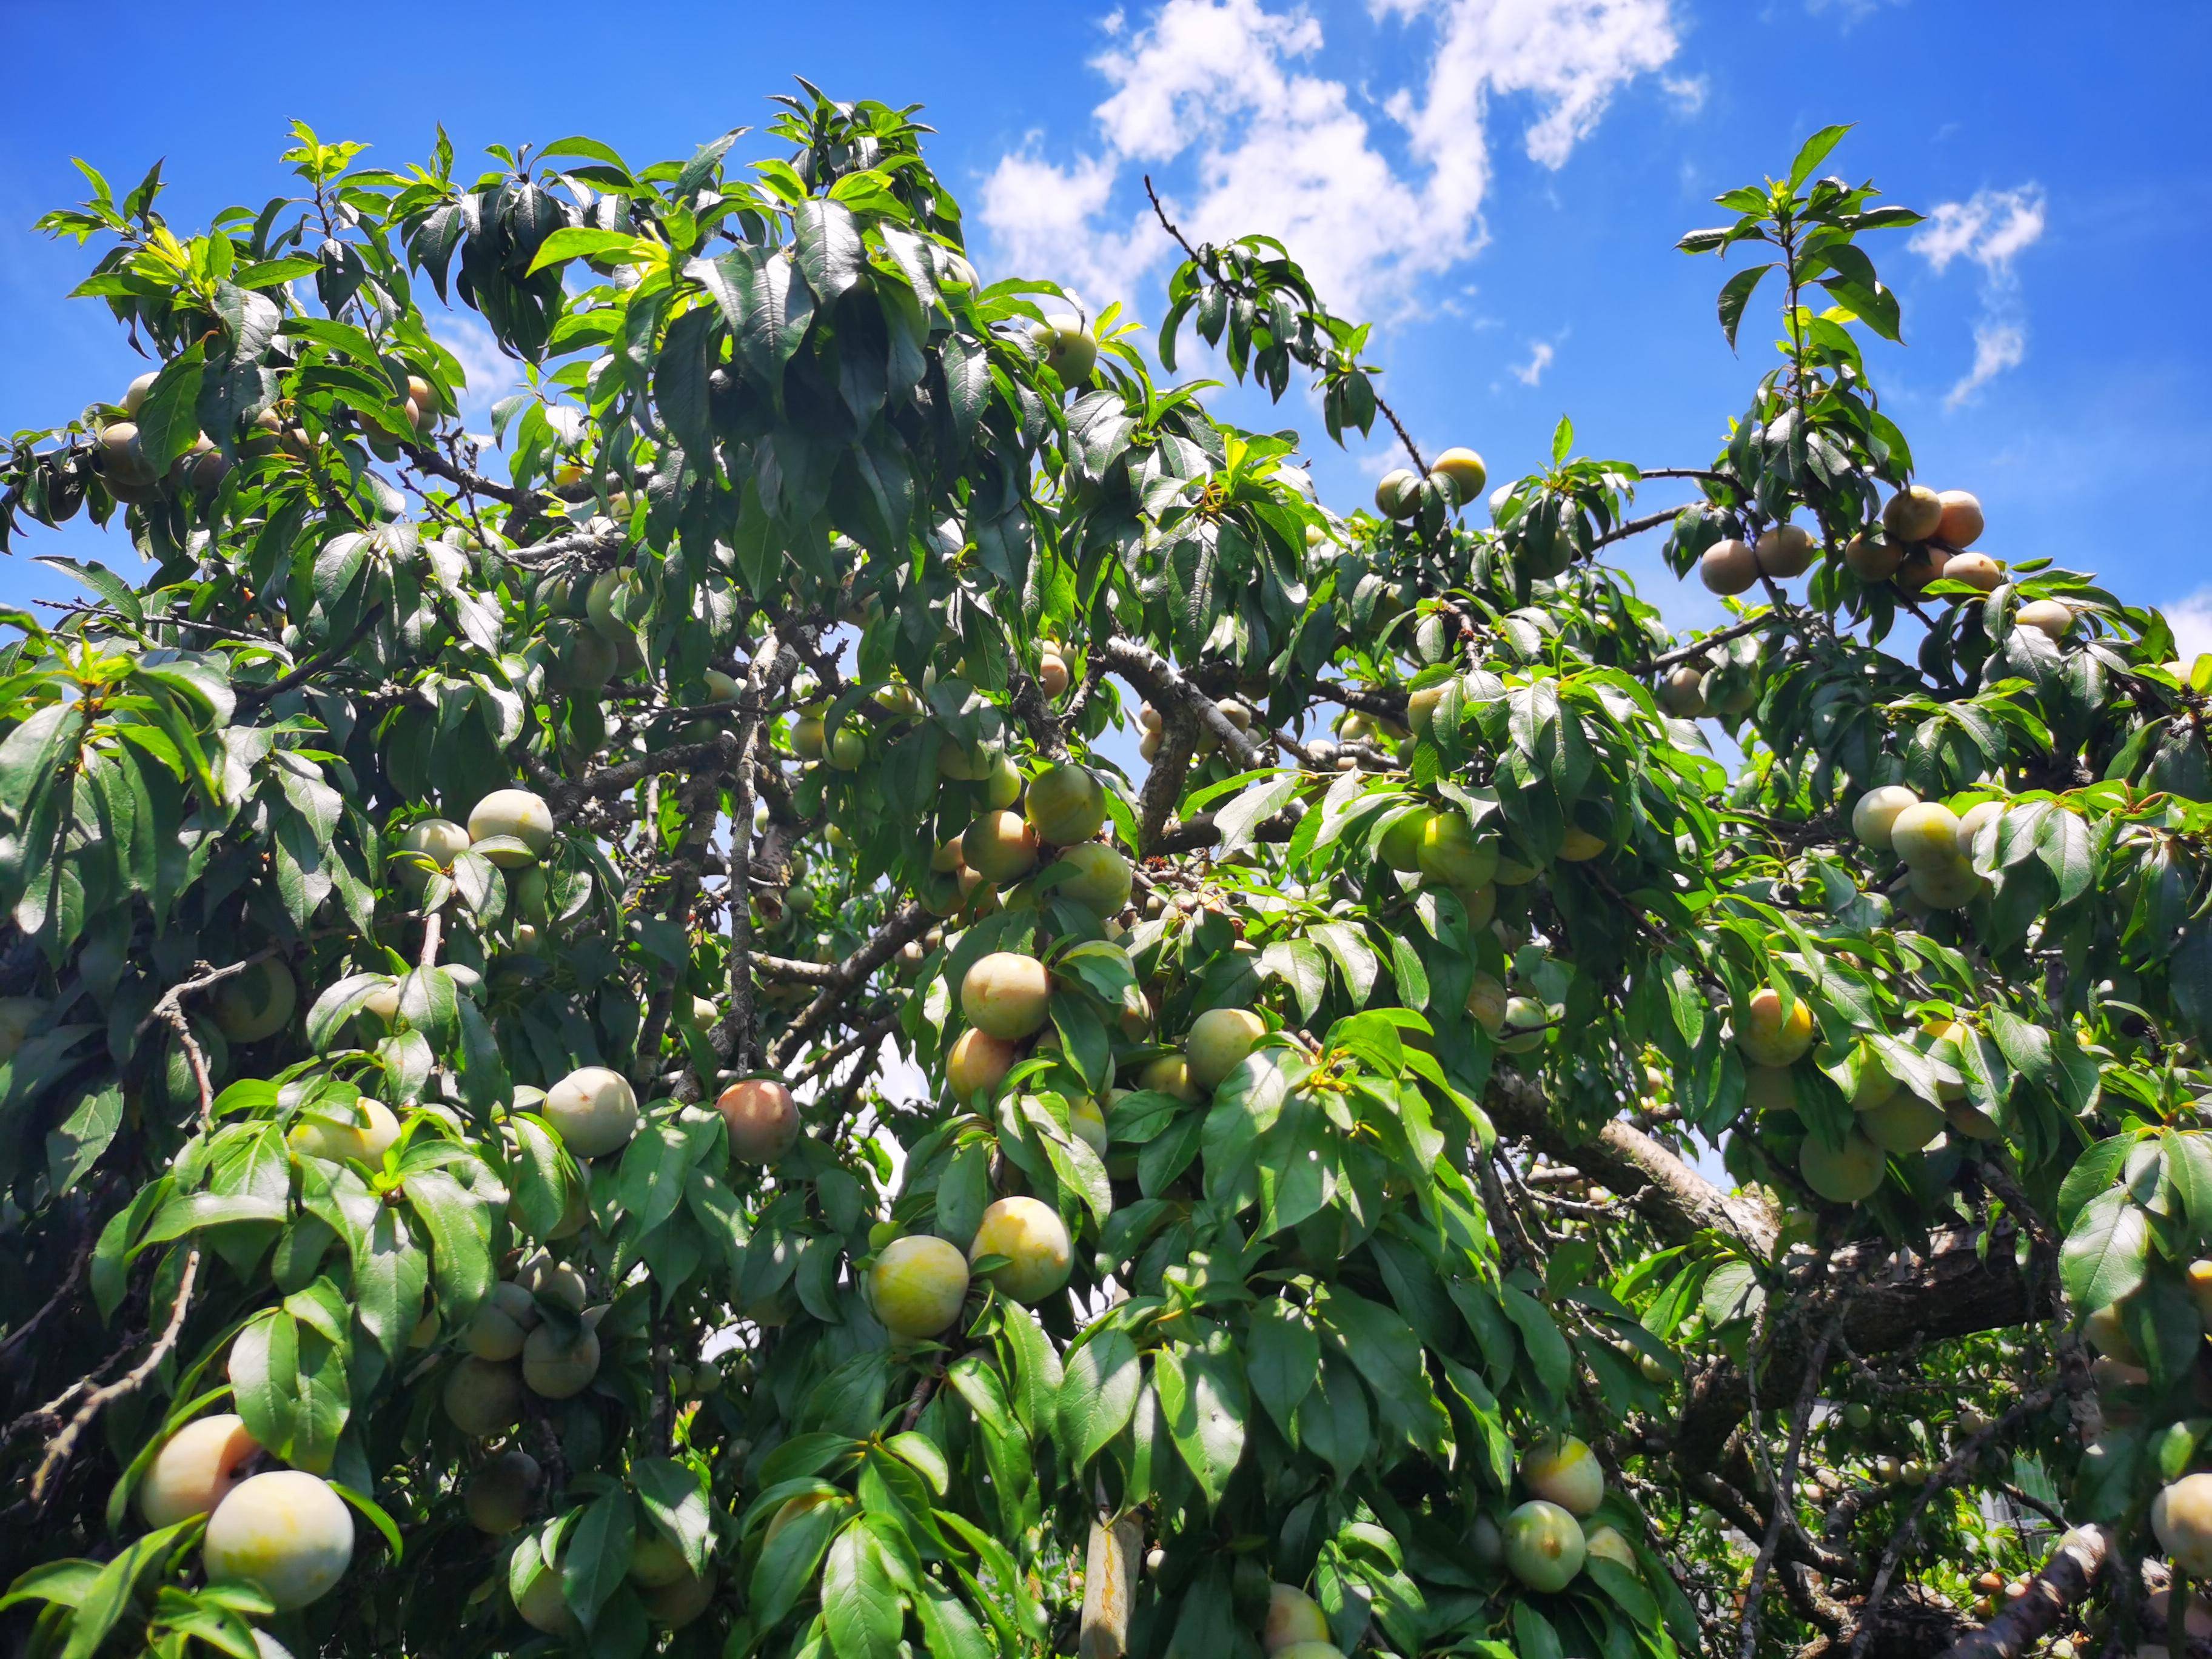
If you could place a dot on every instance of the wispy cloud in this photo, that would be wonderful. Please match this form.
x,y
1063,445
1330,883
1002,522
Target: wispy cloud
x,y
1540,353
1227,104
2191,622
1991,230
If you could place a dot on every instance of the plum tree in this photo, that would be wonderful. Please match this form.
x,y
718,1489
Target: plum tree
x,y
285,1533
761,1118
751,717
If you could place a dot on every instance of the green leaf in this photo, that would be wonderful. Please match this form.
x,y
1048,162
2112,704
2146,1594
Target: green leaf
x,y
1736,295
674,1498
1203,1398
2106,1251
859,1603
1815,151
1098,1393
598,1557
1282,1357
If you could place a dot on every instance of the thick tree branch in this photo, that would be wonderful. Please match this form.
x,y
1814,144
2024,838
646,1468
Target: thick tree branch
x,y
910,921
2066,1577
1164,684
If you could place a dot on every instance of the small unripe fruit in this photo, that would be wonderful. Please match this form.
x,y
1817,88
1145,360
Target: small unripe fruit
x,y
1052,675
977,1061
1844,1174
1913,513
1728,566
2049,618
847,749
675,1604
761,1118
1544,1545
1486,1003
1034,1238
1977,570
1293,1617
1902,1124
1874,556
917,1284
653,1561
1065,348
482,1398
1948,886
365,1141
1462,473
1000,846
257,1003
1873,817
1087,1123
520,815
1102,879
438,840
134,395
1784,551
557,1364
1170,1075
1920,566
1398,493
1526,1020
503,1492
1006,995
593,1109
286,1533
1564,1471
1682,693
548,1278
2181,1516
544,1608
1067,804
1961,521
807,739
1451,852
503,1320
191,1473
1766,1037
1218,1041
1925,834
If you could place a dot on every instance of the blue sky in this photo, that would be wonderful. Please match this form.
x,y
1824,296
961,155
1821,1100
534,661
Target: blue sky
x,y
1497,183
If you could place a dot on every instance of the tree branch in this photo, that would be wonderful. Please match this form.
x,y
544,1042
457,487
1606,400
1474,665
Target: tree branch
x,y
2066,1577
910,921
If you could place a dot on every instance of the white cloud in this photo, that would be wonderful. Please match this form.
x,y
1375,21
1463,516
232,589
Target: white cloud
x,y
1689,91
2191,622
1224,102
1991,229
1540,353
1998,346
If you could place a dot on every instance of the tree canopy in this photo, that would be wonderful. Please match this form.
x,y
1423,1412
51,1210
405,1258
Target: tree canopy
x,y
598,1054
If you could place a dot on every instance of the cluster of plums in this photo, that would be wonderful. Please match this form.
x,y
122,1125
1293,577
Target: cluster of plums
x,y
1458,475
285,1532
1063,807
1543,1544
1936,843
